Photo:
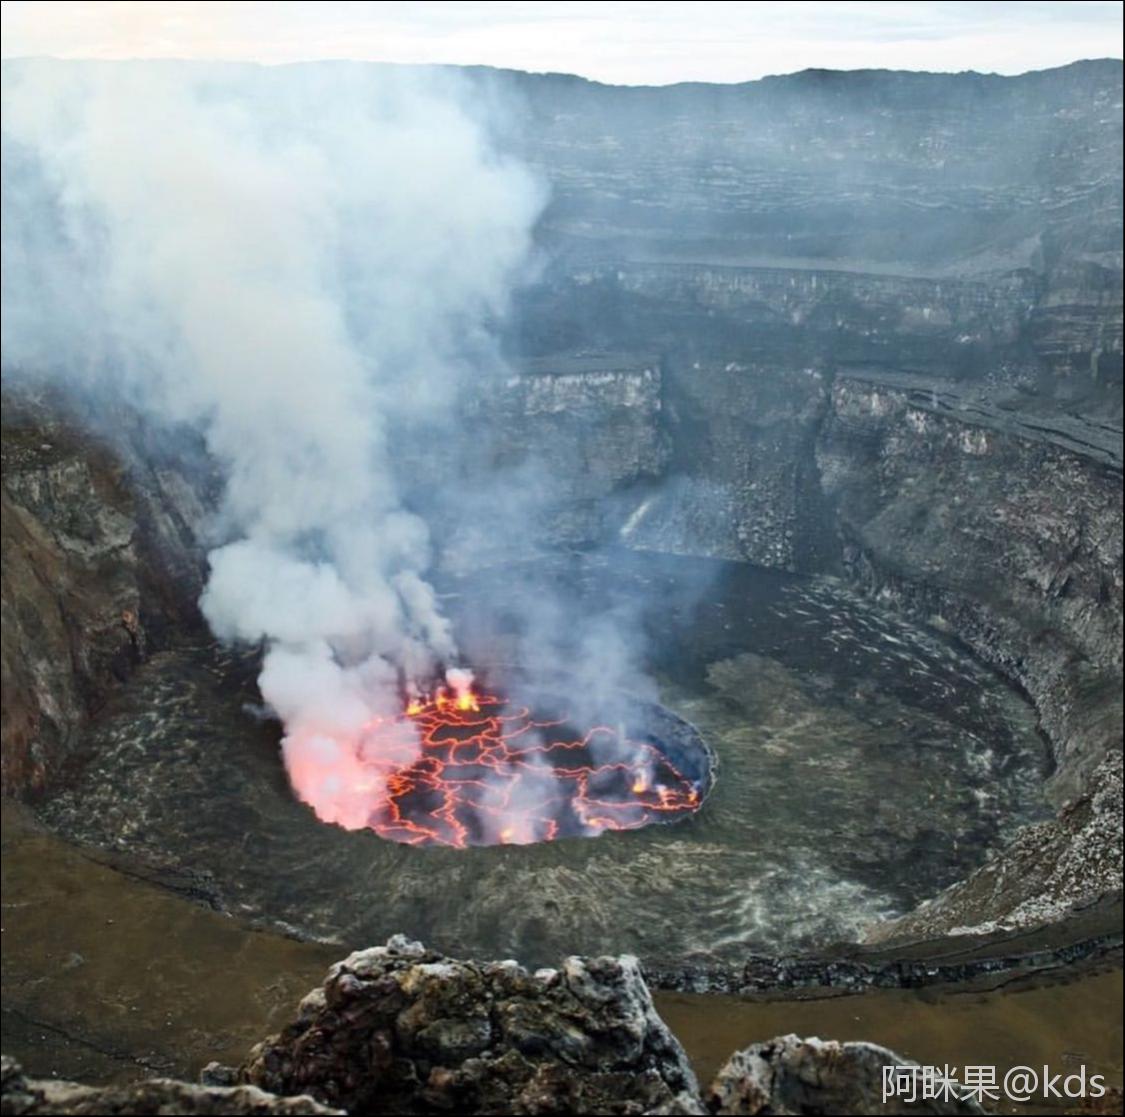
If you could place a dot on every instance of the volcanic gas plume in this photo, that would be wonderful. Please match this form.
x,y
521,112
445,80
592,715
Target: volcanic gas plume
x,y
293,273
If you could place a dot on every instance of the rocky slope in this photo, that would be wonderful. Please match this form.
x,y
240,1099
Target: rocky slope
x,y
1007,533
99,558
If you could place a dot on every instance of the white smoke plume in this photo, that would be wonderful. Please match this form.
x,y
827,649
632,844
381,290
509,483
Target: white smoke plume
x,y
293,266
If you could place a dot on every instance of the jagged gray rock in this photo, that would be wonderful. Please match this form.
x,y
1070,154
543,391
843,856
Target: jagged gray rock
x,y
401,1029
22,1095
789,1075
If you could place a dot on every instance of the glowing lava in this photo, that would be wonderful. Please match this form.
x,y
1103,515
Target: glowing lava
x,y
479,770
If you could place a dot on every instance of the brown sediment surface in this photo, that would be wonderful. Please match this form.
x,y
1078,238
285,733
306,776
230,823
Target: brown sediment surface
x,y
1070,1021
108,977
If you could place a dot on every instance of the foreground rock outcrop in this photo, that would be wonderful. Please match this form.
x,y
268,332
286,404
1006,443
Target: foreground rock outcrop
x,y
401,1029
793,1075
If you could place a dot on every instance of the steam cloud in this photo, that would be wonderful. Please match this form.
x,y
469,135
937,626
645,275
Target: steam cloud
x,y
294,268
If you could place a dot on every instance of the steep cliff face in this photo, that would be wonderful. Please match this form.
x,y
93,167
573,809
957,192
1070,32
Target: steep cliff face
x,y
741,480
970,327
99,557
964,221
590,425
996,525
763,240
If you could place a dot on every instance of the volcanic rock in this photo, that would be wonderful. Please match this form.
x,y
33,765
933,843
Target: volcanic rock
x,y
100,557
401,1029
1048,868
793,1075
22,1095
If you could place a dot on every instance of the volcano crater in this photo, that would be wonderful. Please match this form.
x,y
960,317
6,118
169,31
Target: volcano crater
x,y
866,763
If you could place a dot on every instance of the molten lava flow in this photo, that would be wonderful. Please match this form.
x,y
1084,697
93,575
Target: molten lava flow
x,y
460,768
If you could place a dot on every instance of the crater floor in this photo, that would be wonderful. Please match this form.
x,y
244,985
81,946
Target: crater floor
x,y
864,764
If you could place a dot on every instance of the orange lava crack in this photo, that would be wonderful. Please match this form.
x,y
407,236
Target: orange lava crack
x,y
493,774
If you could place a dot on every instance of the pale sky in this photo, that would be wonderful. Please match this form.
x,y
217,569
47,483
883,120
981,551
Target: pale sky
x,y
629,43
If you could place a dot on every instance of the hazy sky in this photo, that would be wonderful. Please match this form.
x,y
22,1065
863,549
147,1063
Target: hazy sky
x,y
631,43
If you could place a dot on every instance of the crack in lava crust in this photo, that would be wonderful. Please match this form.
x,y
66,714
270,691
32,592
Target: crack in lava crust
x,y
493,772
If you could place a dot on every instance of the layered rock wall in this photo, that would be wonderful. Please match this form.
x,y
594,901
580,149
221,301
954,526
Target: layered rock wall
x,y
100,546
